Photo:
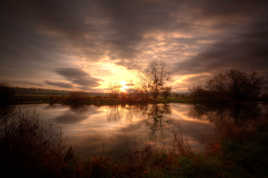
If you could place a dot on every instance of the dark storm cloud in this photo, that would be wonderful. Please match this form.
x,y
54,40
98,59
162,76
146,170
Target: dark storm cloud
x,y
244,47
133,19
77,76
24,83
246,50
83,22
38,35
59,84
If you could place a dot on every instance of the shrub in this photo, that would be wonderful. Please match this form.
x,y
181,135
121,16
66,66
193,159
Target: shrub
x,y
7,95
32,148
230,85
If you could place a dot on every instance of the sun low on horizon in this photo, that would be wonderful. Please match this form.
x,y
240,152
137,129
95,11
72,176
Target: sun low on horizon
x,y
111,75
123,88
93,45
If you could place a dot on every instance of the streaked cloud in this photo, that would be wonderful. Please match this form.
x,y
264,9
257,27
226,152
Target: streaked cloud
x,y
59,84
78,77
74,37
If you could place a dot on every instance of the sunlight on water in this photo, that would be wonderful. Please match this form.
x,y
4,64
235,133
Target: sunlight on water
x,y
115,130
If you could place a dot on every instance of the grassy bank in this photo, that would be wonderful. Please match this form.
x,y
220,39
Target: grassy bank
x,y
10,95
96,100
32,148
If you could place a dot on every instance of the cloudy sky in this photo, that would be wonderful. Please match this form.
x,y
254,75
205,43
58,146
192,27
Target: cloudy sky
x,y
93,44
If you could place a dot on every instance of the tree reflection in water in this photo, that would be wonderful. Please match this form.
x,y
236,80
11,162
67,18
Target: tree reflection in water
x,y
75,114
113,114
239,113
155,116
229,118
157,119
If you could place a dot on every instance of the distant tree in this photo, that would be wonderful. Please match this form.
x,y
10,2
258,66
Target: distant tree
x,y
230,85
198,92
7,95
114,90
166,92
77,98
156,76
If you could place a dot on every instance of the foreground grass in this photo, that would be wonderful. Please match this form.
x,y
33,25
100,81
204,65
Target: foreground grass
x,y
31,148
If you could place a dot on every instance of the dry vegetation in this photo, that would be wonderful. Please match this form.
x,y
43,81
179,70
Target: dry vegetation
x,y
32,148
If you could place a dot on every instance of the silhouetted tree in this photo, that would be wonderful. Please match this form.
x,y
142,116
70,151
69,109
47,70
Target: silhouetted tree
x,y
199,93
156,76
7,95
166,91
230,85
77,98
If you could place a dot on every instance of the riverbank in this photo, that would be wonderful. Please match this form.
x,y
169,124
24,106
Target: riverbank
x,y
110,100
44,96
95,100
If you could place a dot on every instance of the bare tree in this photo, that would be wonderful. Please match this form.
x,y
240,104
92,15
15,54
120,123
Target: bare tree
x,y
166,92
156,76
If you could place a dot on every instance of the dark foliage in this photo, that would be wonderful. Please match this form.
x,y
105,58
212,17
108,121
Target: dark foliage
x,y
231,85
236,112
31,148
156,76
77,98
7,95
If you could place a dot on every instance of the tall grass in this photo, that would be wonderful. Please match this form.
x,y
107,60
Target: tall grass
x,y
32,148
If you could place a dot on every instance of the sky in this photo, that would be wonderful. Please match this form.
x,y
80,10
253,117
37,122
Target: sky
x,y
92,45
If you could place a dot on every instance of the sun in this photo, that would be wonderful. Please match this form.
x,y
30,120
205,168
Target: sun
x,y
123,86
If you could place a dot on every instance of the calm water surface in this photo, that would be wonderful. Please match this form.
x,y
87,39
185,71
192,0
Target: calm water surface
x,y
115,130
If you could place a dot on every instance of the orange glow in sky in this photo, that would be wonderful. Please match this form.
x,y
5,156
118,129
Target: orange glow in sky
x,y
116,75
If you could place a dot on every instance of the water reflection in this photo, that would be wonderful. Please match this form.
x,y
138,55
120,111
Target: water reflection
x,y
156,119
76,114
113,113
239,113
115,130
155,115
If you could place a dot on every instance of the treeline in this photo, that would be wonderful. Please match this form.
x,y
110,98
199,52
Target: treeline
x,y
231,85
9,96
37,91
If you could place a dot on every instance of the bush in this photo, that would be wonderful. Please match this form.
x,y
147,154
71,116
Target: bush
x,y
31,148
77,98
230,85
7,95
